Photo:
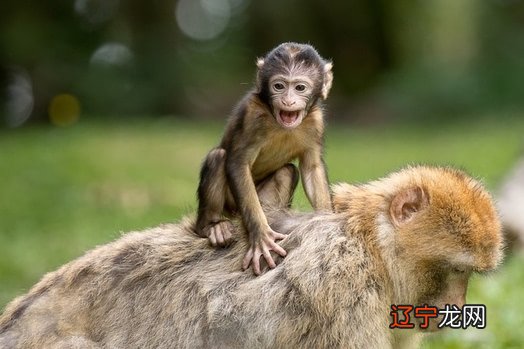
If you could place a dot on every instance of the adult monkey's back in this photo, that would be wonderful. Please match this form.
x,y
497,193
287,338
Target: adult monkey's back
x,y
414,237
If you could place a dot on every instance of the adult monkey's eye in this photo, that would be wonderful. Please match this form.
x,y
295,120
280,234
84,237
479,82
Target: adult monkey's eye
x,y
300,87
279,86
459,270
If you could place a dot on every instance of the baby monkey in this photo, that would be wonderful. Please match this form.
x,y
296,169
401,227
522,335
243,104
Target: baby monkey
x,y
279,121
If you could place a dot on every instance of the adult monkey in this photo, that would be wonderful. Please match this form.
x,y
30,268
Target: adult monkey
x,y
414,237
278,121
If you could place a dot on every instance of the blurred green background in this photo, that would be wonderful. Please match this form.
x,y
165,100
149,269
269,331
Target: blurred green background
x,y
108,107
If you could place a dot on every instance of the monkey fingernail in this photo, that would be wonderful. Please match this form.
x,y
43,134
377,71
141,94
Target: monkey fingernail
x,y
278,249
220,239
271,263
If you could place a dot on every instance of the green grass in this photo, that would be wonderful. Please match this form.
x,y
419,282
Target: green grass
x,y
63,191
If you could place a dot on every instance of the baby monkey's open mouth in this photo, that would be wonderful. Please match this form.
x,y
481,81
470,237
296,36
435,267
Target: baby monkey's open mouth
x,y
289,118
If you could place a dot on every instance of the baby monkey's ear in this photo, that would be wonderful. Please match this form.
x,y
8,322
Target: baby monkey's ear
x,y
327,80
260,64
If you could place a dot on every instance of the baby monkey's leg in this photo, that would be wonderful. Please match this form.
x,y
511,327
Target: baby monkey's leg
x,y
275,192
212,192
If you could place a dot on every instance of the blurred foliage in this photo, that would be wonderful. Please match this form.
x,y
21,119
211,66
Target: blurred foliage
x,y
412,60
66,190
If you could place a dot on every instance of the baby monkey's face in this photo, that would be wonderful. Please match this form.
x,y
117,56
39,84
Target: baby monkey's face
x,y
290,81
290,96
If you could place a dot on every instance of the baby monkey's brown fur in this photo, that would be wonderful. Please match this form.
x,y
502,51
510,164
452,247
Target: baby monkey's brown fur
x,y
278,121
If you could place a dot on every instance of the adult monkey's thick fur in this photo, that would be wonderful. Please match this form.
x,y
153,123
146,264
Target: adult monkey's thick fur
x,y
411,238
280,120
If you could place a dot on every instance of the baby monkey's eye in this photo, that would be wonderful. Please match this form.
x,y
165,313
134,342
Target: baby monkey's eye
x,y
279,86
300,87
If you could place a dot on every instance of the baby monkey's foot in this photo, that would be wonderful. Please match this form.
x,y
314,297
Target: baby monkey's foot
x,y
219,233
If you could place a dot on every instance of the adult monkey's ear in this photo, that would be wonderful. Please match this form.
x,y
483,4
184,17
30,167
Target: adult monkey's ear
x,y
407,204
328,80
260,64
